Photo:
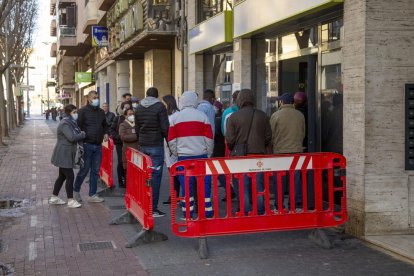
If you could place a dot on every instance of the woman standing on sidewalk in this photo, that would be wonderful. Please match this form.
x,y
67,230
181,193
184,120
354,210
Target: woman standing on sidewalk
x,y
64,155
128,136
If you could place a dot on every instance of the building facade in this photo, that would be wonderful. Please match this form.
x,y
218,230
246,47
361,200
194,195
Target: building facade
x,y
352,58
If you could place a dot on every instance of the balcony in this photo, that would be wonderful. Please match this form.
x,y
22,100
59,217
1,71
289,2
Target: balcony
x,y
67,40
52,7
91,16
65,3
105,5
53,50
138,27
53,27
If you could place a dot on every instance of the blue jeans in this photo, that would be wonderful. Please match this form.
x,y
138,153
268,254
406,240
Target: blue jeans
x,y
157,157
248,193
286,184
92,161
207,189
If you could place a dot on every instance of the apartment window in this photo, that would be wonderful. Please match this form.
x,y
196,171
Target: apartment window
x,y
67,16
332,31
209,8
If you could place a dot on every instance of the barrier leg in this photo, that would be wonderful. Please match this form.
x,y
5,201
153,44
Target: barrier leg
x,y
319,237
202,248
105,191
145,236
125,217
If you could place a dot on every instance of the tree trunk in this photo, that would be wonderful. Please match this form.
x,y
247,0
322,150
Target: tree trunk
x,y
11,108
19,110
3,111
2,119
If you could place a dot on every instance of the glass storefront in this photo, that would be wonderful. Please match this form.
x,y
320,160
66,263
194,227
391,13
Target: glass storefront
x,y
308,61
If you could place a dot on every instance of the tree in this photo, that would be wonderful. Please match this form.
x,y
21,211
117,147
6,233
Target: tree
x,y
17,24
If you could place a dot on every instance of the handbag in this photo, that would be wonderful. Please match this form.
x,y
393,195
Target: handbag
x,y
242,149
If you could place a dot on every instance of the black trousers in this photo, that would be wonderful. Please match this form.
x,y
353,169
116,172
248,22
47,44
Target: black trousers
x,y
120,168
68,175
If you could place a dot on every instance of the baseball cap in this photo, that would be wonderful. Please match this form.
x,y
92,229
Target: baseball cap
x,y
286,98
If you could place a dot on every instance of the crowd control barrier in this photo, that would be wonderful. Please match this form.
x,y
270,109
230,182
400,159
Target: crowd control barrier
x,y
320,176
138,198
106,170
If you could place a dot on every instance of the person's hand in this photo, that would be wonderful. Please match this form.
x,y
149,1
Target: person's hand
x,y
83,133
106,138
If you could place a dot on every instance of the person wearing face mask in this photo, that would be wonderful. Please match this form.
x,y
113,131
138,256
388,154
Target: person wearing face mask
x,y
114,132
135,103
93,122
128,135
64,155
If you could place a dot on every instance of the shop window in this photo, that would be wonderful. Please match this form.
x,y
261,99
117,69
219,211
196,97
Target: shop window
x,y
331,31
209,8
299,40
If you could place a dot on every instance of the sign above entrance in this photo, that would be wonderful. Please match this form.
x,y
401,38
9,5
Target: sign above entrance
x,y
271,12
99,36
212,32
83,77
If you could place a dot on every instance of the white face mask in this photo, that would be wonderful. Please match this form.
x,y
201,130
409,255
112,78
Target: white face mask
x,y
131,118
74,116
134,105
95,102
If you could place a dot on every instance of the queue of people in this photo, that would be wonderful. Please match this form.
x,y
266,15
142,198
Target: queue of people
x,y
168,132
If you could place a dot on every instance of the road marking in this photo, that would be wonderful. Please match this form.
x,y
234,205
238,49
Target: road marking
x,y
34,168
34,162
33,187
33,221
34,176
32,251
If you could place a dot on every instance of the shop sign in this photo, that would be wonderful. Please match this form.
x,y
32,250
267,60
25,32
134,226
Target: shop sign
x,y
50,84
212,32
250,17
83,77
99,36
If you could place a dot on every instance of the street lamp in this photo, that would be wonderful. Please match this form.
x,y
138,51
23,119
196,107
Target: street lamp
x,y
27,82
47,76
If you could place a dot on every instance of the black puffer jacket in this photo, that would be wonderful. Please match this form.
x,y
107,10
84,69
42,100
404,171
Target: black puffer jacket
x,y
92,120
114,130
151,123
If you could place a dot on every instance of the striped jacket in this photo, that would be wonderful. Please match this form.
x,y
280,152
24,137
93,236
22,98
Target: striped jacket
x,y
190,133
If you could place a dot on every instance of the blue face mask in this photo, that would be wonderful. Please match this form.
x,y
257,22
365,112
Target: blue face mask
x,y
75,116
95,102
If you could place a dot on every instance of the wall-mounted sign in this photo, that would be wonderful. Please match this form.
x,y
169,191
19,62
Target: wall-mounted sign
x,y
212,32
50,84
250,17
99,36
83,77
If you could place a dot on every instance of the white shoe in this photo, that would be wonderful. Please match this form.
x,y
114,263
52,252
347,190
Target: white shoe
x,y
55,200
77,197
72,203
95,199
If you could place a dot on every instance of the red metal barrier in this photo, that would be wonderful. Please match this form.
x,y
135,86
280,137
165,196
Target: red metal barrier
x,y
323,181
106,172
138,197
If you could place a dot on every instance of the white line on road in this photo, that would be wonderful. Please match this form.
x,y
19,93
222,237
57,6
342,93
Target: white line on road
x,y
33,187
32,251
33,221
34,176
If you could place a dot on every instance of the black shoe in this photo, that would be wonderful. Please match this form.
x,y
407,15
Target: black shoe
x,y
167,202
233,196
157,214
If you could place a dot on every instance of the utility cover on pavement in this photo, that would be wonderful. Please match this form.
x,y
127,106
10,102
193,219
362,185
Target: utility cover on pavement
x,y
95,246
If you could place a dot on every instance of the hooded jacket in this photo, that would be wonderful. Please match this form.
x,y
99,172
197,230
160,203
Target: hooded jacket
x,y
151,122
238,124
190,131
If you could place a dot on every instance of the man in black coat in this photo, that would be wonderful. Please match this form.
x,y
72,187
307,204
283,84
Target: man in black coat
x,y
91,120
151,124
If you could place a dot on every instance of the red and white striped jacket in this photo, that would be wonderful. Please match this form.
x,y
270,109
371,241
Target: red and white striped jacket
x,y
190,131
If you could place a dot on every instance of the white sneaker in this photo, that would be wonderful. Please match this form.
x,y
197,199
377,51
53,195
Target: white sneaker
x,y
73,203
95,199
77,197
55,200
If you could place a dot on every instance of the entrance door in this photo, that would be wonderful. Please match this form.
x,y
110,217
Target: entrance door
x,y
299,75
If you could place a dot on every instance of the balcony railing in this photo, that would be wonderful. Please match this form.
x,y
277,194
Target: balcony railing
x,y
67,31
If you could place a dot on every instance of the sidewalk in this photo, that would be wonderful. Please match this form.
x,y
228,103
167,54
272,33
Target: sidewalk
x,y
45,239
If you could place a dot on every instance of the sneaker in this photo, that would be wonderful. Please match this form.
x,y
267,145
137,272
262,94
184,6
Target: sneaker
x,y
73,203
55,200
77,197
299,210
95,199
167,202
157,214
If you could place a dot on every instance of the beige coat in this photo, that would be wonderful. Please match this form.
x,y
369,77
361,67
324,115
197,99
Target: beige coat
x,y
288,130
129,139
